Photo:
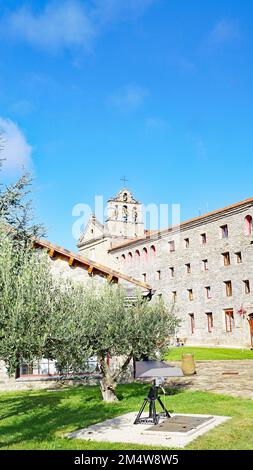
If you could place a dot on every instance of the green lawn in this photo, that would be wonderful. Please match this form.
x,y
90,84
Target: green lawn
x,y
211,354
39,419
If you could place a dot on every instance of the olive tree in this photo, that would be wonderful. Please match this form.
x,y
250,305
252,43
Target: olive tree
x,y
98,321
28,300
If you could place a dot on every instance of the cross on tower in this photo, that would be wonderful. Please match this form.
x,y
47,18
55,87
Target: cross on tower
x,y
124,180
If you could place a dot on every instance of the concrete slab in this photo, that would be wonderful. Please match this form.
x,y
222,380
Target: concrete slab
x,y
122,429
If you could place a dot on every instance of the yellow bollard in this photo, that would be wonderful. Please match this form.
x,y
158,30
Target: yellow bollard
x,y
188,364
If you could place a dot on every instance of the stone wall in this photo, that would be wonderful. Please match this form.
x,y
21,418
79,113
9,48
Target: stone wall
x,y
158,274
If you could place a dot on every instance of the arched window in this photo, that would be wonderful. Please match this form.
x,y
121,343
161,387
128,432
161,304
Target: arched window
x,y
153,250
135,215
145,254
125,213
123,257
137,255
130,256
248,225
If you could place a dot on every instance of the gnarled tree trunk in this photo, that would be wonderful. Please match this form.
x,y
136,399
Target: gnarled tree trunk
x,y
107,383
109,379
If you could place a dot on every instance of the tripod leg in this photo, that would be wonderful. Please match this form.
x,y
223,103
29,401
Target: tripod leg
x,y
137,419
155,416
164,407
150,409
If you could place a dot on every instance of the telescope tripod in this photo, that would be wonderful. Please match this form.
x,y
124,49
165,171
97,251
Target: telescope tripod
x,y
151,399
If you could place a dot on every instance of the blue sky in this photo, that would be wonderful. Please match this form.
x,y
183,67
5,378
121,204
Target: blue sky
x,y
157,90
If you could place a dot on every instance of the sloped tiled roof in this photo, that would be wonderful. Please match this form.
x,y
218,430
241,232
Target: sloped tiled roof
x,y
89,265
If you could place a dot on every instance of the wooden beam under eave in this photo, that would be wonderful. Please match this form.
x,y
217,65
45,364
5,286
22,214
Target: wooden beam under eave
x,y
51,252
90,269
71,261
109,278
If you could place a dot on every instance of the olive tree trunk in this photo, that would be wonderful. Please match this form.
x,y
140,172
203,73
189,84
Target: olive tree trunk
x,y
109,380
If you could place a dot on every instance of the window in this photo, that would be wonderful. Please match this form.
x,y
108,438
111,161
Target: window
x,y
209,317
248,225
205,264
208,292
192,323
228,285
144,277
226,258
186,242
246,287
174,295
188,268
224,231
137,255
229,320
153,250
125,213
130,256
203,238
26,369
172,272
158,275
145,254
41,367
238,257
172,246
190,294
123,257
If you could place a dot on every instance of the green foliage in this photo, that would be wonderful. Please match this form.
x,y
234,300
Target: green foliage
x,y
27,302
96,320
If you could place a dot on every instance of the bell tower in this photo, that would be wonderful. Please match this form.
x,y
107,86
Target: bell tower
x,y
124,216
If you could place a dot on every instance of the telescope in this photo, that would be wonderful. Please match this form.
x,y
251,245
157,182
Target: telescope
x,y
158,370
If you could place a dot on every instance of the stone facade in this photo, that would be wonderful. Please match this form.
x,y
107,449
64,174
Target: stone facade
x,y
205,268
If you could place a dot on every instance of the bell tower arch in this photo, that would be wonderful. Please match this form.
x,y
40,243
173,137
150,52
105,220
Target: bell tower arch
x,y
124,216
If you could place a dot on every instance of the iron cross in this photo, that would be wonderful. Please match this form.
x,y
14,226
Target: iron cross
x,y
124,180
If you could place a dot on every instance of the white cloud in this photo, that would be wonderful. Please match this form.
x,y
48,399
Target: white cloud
x,y
15,149
68,23
60,25
128,98
224,31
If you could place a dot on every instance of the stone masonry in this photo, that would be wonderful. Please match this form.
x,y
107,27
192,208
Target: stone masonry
x,y
189,266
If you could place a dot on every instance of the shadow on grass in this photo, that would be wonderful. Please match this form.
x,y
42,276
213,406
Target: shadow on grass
x,y
44,416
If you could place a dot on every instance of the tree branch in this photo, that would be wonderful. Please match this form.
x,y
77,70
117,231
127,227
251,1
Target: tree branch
x,y
121,369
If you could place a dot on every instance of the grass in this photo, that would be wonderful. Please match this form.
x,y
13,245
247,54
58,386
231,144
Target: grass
x,y
208,354
39,419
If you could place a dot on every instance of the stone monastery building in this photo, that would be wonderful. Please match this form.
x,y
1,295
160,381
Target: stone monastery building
x,y
204,266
